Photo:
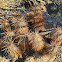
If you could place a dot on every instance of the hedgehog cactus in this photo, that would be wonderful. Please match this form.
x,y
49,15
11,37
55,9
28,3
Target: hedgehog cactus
x,y
18,38
36,41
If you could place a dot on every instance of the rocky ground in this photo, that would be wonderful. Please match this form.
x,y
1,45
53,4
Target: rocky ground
x,y
52,19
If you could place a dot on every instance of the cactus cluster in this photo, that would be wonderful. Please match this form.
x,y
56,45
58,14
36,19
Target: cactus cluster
x,y
22,34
